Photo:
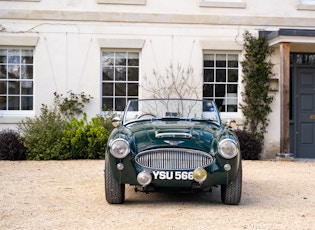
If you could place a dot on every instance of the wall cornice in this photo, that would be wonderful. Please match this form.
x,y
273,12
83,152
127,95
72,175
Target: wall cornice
x,y
127,17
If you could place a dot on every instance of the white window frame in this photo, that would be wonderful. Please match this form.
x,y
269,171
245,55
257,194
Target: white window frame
x,y
21,112
233,97
127,81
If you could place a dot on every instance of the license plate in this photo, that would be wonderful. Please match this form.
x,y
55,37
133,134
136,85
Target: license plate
x,y
172,175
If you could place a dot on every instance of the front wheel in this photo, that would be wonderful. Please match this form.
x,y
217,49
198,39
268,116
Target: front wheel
x,y
231,193
114,192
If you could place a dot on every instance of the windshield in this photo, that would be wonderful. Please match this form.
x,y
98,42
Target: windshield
x,y
171,109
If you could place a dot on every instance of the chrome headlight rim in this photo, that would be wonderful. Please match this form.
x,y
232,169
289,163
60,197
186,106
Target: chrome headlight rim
x,y
233,150
119,148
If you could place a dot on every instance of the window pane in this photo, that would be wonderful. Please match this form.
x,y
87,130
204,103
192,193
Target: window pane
x,y
232,75
27,87
108,89
220,60
303,59
3,87
133,74
120,89
231,108
135,106
120,104
3,103
233,60
107,104
26,72
208,60
132,89
27,57
120,74
232,89
14,72
3,71
3,56
208,75
219,103
133,59
27,103
221,75
14,103
208,90
120,59
219,90
14,56
14,87
108,58
108,73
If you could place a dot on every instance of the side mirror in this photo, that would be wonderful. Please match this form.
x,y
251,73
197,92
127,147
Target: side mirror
x,y
116,121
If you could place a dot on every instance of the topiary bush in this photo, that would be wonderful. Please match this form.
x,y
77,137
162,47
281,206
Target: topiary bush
x,y
11,148
250,146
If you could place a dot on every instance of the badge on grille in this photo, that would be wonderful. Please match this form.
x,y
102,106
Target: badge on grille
x,y
174,143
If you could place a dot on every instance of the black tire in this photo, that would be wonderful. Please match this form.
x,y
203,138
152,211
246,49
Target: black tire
x,y
232,192
114,192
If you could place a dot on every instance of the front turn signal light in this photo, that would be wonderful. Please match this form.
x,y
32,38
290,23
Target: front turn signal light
x,y
200,175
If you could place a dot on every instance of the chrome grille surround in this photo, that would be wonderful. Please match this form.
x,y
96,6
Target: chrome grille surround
x,y
173,159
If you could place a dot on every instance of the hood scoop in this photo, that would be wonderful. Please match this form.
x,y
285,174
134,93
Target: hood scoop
x,y
173,135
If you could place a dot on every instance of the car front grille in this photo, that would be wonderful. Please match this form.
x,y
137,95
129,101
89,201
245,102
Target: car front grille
x,y
173,159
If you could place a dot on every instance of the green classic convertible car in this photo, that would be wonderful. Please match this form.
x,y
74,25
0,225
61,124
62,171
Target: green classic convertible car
x,y
172,145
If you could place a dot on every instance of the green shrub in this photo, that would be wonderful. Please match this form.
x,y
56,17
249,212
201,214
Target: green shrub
x,y
42,135
257,71
86,139
11,148
57,133
250,146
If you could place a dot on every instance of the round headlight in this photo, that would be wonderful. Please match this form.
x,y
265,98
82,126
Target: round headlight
x,y
119,148
227,148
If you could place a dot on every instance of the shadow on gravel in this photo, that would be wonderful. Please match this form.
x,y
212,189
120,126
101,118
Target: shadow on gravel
x,y
198,198
249,196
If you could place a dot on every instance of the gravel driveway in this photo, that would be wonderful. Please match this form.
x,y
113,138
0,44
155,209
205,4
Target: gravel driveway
x,y
70,195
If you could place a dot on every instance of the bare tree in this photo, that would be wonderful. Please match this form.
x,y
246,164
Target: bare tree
x,y
176,83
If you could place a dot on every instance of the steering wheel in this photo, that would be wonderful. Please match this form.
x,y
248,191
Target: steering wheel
x,y
146,114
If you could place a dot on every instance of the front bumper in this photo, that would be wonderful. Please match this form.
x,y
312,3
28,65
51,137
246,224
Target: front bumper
x,y
219,172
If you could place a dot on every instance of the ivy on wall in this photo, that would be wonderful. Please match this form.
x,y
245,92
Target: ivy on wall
x,y
257,70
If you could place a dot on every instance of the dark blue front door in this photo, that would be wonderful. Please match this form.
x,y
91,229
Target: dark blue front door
x,y
305,114
302,105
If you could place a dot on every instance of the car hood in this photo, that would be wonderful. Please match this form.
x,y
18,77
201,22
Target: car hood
x,y
175,134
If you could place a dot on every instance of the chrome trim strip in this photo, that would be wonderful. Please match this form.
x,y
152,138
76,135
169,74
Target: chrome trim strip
x,y
173,135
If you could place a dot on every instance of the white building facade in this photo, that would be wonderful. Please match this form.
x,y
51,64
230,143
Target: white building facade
x,y
110,49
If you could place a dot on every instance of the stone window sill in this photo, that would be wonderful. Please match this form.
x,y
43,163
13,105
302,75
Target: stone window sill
x,y
122,2
218,4
305,7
